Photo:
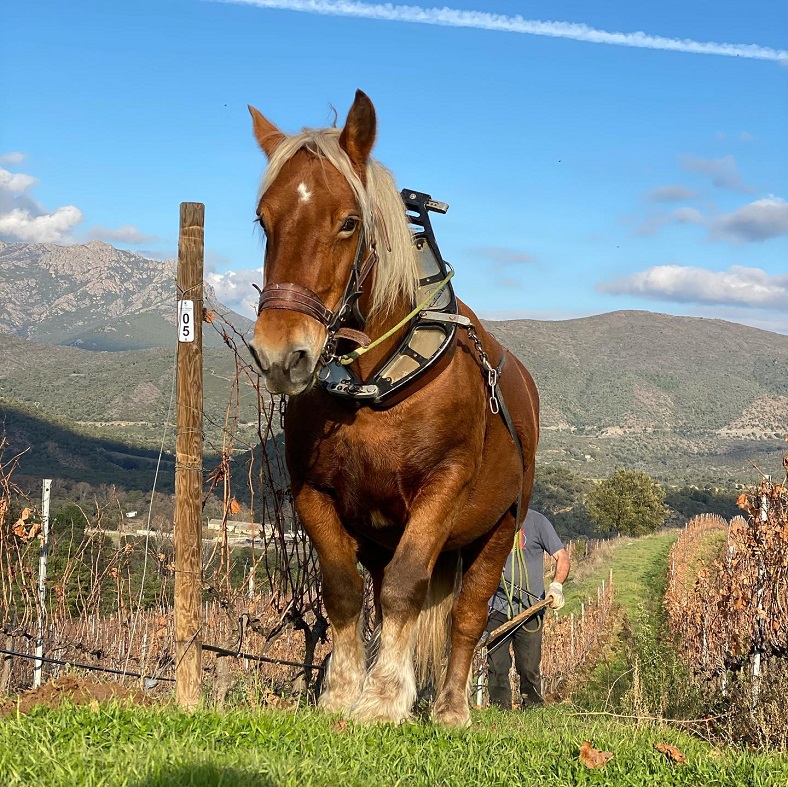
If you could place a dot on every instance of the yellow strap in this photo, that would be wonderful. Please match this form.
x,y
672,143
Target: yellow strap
x,y
348,358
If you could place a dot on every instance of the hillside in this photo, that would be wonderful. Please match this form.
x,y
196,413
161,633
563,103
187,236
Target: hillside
x,y
92,296
633,372
682,398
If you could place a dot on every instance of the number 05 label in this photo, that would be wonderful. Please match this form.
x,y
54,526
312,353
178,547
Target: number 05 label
x,y
185,321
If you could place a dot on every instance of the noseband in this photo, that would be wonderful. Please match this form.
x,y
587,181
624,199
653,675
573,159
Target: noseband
x,y
297,298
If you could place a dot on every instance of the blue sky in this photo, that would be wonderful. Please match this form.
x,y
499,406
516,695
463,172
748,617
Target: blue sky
x,y
583,176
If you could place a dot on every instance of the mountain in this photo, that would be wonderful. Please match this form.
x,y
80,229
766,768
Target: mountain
x,y
92,296
636,372
676,396
682,398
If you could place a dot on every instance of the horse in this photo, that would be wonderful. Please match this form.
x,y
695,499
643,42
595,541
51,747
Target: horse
x,y
422,492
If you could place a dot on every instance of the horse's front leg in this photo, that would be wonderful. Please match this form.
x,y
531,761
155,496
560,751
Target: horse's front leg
x,y
390,688
343,590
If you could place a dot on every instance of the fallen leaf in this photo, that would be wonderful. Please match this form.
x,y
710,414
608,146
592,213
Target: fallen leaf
x,y
671,752
235,506
594,758
340,726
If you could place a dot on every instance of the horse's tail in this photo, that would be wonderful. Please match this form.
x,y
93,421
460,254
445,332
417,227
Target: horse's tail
x,y
434,624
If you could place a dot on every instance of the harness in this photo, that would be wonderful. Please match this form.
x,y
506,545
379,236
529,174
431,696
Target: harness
x,y
297,298
430,340
428,345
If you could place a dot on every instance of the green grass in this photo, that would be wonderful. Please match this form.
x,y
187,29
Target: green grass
x,y
638,565
117,745
639,568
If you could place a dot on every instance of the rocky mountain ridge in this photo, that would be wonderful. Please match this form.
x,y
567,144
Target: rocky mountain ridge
x,y
676,396
92,296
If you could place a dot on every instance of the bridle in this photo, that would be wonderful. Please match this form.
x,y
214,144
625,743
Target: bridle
x,y
290,296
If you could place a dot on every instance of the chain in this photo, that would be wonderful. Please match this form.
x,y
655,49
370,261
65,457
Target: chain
x,y
492,372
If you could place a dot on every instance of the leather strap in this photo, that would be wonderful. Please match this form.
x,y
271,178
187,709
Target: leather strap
x,y
359,337
294,297
297,298
507,419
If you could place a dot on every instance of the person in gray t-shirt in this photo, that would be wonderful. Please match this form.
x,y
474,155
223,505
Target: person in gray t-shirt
x,y
522,586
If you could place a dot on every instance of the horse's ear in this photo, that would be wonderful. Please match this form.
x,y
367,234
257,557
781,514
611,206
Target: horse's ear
x,y
268,136
358,135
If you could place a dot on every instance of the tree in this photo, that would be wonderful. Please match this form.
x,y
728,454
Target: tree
x,y
629,502
559,493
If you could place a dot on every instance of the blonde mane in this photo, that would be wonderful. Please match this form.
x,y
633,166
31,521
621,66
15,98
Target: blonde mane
x,y
383,214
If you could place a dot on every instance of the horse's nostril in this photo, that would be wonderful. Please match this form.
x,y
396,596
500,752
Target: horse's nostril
x,y
259,359
294,359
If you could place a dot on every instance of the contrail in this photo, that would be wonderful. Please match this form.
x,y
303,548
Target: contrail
x,y
481,20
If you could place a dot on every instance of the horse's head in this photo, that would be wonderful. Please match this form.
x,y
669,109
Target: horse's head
x,y
311,211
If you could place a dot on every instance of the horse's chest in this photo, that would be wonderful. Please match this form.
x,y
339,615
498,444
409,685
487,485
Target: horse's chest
x,y
367,472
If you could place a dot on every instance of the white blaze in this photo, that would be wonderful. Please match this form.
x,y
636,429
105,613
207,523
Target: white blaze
x,y
304,192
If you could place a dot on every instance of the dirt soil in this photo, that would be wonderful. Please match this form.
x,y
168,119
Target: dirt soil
x,y
80,691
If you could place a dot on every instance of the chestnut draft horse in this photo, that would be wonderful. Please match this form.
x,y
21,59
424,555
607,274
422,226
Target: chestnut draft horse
x,y
422,492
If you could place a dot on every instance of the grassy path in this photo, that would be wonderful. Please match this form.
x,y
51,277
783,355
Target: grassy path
x,y
112,746
119,746
639,567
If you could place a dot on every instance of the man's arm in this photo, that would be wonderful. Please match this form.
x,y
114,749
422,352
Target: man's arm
x,y
556,589
562,566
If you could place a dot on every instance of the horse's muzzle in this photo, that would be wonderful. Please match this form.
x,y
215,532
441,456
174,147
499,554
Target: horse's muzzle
x,y
287,372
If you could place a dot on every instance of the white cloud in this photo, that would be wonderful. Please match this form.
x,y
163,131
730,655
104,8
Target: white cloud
x,y
23,219
125,234
503,258
674,193
686,215
20,225
12,157
15,182
482,20
234,288
723,171
737,286
758,221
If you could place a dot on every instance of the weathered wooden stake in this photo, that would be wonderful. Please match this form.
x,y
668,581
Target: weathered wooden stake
x,y
188,459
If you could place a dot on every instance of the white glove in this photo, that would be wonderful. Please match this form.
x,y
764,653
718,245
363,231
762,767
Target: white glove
x,y
556,590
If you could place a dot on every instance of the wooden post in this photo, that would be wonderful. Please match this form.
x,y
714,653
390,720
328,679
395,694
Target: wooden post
x,y
188,459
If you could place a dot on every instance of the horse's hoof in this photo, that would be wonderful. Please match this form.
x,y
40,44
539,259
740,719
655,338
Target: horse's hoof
x,y
334,702
375,711
447,716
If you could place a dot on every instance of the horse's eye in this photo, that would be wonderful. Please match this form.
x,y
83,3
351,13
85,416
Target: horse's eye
x,y
261,222
351,222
